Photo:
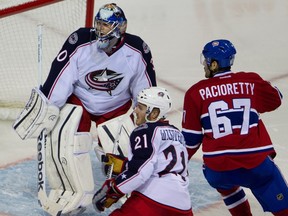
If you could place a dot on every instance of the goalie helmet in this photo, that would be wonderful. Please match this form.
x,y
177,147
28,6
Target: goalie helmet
x,y
222,51
111,18
155,97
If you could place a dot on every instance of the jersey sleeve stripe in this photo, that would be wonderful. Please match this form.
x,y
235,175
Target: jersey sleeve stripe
x,y
238,151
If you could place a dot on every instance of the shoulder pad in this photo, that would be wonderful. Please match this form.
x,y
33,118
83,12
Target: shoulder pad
x,y
137,43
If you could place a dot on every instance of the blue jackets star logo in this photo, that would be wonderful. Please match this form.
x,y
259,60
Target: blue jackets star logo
x,y
123,176
103,80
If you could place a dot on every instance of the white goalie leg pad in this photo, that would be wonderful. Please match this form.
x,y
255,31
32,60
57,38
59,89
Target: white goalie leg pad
x,y
116,131
37,114
68,164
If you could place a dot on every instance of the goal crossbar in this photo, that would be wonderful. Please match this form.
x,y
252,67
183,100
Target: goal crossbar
x,y
40,3
25,7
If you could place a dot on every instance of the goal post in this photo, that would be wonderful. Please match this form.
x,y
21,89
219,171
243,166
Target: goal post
x,y
19,21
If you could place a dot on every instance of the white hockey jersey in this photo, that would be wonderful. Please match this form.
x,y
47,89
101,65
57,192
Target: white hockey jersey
x,y
157,165
101,82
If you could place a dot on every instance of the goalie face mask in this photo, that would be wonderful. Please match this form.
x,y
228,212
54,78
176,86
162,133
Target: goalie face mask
x,y
110,24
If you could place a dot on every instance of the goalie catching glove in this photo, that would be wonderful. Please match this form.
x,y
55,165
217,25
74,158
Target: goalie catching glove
x,y
106,196
117,162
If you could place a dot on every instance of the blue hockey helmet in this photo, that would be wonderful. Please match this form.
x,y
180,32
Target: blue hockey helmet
x,y
222,51
113,18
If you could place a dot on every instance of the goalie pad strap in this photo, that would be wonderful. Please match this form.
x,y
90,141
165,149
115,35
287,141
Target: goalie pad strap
x,y
37,114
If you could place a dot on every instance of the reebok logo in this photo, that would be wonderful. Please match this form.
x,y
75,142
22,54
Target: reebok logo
x,y
41,144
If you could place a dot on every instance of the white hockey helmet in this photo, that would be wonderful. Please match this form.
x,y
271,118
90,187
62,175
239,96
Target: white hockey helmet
x,y
155,97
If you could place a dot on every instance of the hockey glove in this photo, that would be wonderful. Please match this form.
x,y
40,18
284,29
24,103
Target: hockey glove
x,y
118,162
106,196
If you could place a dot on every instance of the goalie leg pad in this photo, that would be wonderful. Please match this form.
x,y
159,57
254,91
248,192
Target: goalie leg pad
x,y
116,130
38,114
69,169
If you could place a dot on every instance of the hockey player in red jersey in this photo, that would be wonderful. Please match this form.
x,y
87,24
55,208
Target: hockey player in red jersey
x,y
223,114
156,171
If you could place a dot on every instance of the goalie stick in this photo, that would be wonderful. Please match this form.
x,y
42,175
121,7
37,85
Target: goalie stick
x,y
52,208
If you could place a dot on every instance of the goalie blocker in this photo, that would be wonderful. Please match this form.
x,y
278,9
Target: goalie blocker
x,y
37,114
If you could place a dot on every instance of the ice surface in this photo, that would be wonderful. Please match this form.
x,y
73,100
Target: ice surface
x,y
18,189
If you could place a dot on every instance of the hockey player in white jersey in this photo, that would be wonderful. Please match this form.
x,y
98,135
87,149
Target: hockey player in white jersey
x,y
96,76
156,171
100,69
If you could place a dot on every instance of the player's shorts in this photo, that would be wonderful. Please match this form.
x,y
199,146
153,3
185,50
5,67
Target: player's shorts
x,y
265,181
86,119
140,205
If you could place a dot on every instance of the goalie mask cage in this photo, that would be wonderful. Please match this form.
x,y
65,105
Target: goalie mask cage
x,y
19,44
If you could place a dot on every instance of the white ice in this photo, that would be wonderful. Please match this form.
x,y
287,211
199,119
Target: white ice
x,y
176,32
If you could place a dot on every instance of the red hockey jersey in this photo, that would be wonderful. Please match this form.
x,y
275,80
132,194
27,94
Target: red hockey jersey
x,y
222,114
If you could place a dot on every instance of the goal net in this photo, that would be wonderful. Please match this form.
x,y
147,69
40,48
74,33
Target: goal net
x,y
19,21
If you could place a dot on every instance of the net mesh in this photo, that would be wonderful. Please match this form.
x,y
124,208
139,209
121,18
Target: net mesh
x,y
19,47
